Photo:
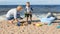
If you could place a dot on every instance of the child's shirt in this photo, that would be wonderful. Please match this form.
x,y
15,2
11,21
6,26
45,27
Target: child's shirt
x,y
28,9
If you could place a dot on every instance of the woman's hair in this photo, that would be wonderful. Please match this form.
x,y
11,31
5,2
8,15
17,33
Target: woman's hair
x,y
19,7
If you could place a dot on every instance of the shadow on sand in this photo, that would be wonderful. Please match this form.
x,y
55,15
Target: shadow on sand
x,y
29,22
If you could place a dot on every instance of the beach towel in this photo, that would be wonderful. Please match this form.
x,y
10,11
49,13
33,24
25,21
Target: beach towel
x,y
47,20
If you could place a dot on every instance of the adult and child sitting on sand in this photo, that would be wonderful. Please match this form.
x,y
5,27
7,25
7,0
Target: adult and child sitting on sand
x,y
15,13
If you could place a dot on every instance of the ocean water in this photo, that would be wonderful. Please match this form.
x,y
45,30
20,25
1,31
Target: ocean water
x,y
37,9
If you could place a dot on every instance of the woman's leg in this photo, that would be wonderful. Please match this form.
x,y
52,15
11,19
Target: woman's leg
x,y
10,19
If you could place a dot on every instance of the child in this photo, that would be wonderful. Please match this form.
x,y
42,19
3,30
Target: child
x,y
13,14
28,11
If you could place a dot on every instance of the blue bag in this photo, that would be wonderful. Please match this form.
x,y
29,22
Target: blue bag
x,y
18,24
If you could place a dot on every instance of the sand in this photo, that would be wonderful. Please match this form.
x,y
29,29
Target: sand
x,y
7,28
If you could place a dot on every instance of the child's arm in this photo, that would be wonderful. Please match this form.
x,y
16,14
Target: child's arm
x,y
31,9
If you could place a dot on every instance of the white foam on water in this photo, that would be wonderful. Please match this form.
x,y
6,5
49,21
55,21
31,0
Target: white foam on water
x,y
2,17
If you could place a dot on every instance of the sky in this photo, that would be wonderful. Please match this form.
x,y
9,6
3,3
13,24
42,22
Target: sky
x,y
33,2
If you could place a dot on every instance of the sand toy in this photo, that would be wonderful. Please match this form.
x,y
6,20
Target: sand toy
x,y
37,24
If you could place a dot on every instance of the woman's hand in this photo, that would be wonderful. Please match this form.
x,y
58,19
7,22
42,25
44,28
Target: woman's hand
x,y
16,20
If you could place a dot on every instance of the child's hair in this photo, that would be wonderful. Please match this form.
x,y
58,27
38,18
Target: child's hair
x,y
28,2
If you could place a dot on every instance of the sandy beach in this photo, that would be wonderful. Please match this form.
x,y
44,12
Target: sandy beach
x,y
7,28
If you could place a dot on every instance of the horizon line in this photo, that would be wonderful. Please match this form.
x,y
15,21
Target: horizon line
x,y
41,4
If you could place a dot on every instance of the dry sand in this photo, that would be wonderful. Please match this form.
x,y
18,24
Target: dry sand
x,y
7,28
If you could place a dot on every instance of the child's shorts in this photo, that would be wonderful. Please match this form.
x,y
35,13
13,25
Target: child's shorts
x,y
28,15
